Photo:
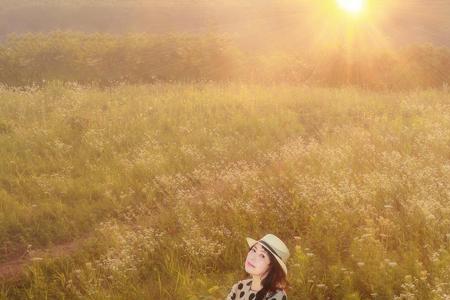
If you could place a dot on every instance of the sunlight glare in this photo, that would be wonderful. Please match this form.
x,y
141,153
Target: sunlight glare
x,y
351,6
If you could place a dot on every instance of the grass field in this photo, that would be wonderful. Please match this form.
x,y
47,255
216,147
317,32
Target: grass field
x,y
160,184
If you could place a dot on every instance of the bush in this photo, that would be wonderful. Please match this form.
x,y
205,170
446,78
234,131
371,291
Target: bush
x,y
106,60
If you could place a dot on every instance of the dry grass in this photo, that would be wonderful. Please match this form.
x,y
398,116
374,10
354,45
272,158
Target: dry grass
x,y
171,178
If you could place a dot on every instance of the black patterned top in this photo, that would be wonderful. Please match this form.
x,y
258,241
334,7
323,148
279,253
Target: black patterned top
x,y
242,291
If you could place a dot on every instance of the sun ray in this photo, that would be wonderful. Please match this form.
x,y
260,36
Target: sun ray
x,y
351,6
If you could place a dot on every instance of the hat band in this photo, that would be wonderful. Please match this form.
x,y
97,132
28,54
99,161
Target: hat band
x,y
270,248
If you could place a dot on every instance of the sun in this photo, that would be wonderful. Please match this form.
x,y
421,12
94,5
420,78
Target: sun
x,y
351,6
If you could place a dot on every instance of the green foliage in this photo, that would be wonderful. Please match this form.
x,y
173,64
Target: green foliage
x,y
104,59
107,59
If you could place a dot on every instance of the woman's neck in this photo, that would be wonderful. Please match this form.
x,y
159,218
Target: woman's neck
x,y
256,283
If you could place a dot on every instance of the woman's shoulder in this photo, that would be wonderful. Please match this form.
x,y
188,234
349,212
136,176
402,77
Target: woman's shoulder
x,y
239,288
241,283
280,294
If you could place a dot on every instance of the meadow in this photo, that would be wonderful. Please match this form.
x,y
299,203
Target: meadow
x,y
160,184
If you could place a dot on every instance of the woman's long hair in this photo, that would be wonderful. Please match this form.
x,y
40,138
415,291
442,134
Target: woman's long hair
x,y
274,280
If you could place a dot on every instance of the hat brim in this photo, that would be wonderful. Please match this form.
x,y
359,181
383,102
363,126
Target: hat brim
x,y
252,242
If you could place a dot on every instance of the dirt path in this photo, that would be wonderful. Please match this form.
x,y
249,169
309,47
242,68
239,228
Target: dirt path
x,y
13,269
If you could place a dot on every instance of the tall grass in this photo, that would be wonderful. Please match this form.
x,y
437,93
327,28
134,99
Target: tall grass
x,y
168,179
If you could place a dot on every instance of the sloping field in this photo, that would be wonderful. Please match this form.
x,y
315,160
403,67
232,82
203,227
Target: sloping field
x,y
151,190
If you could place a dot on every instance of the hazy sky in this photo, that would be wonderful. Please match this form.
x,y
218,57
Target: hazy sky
x,y
254,23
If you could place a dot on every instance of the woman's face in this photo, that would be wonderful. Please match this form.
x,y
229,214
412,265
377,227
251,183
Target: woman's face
x,y
258,261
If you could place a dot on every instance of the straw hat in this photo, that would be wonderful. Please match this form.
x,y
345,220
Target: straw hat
x,y
275,246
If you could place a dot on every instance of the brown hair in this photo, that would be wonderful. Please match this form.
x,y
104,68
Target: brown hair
x,y
274,280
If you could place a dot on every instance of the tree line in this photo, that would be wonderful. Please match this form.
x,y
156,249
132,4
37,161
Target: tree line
x,y
106,59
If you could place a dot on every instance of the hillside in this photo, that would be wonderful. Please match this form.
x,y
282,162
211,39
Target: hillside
x,y
169,179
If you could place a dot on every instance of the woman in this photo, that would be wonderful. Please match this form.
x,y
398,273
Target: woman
x,y
266,263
